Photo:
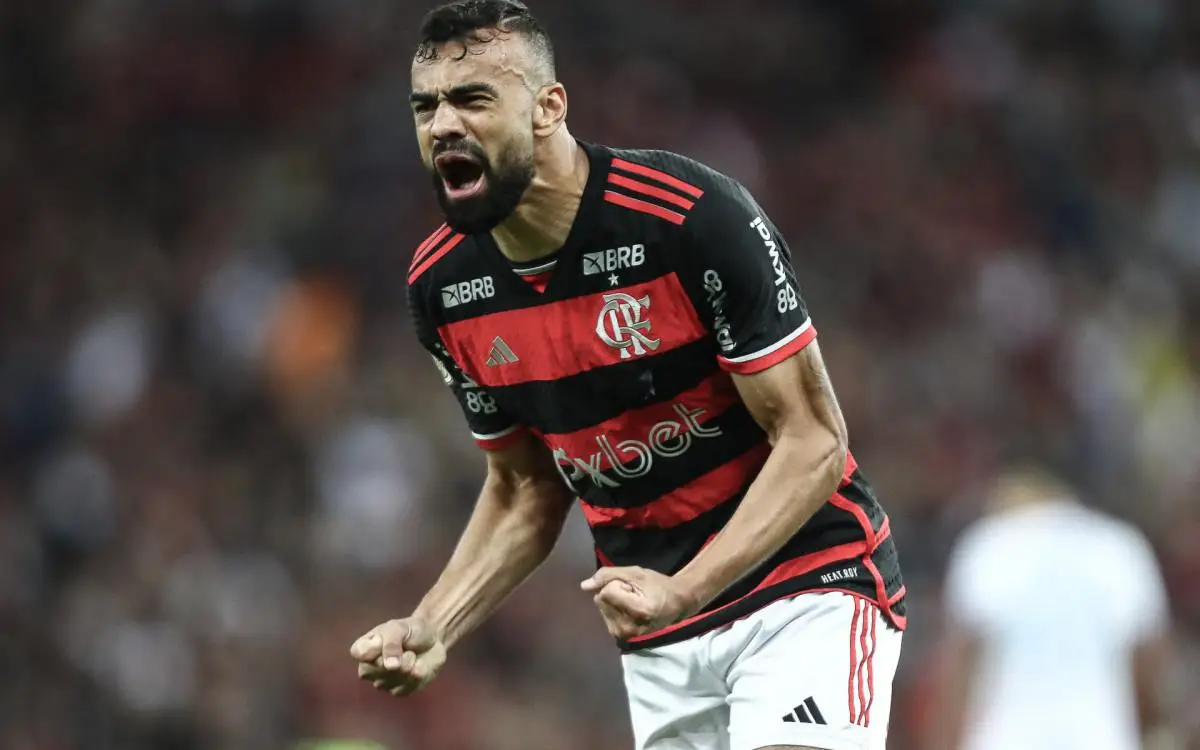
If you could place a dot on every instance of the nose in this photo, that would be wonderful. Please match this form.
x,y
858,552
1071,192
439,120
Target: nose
x,y
447,125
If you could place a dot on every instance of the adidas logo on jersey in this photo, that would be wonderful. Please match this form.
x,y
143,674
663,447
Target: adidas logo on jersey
x,y
613,259
806,713
501,354
468,291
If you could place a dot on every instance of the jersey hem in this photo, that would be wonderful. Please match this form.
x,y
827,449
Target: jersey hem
x,y
808,583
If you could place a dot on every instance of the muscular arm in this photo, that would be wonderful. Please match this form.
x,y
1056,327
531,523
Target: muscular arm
x,y
795,404
516,522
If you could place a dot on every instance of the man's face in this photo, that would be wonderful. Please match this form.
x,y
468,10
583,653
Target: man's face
x,y
475,129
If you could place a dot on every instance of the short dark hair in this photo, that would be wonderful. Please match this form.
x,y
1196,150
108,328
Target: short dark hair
x,y
470,21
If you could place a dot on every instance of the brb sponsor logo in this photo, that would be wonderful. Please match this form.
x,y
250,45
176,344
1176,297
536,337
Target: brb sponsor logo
x,y
623,325
613,259
714,292
630,459
785,293
468,291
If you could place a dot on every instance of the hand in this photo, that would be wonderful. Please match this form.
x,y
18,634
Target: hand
x,y
636,601
399,656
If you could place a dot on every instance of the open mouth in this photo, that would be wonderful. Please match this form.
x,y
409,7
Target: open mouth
x,y
462,175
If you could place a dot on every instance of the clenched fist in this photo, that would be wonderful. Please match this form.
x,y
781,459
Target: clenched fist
x,y
399,656
635,601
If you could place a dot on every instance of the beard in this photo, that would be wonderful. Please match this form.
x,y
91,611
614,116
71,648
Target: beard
x,y
505,183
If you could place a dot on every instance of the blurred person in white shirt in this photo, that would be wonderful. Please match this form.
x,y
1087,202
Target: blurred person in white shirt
x,y
1057,628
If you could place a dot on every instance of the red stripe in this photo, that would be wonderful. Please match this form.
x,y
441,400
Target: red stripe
x,y
885,531
881,594
429,243
853,659
689,501
559,339
435,257
864,657
898,595
603,559
797,566
874,539
654,174
644,207
539,280
710,398
871,670
654,192
841,501
769,360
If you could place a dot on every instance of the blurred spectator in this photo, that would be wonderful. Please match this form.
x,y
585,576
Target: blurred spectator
x,y
1056,628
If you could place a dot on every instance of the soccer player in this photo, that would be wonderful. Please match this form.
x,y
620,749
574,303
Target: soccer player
x,y
625,328
1057,628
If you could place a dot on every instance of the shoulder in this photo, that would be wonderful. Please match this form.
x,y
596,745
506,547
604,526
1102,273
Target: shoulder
x,y
687,189
434,250
439,256
1127,543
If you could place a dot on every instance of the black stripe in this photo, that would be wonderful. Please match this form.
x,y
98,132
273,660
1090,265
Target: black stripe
x,y
557,406
813,711
859,491
653,199
668,550
663,550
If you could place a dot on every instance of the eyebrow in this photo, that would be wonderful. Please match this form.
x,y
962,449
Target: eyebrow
x,y
455,93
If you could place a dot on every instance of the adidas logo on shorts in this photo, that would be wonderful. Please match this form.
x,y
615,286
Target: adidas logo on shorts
x,y
806,713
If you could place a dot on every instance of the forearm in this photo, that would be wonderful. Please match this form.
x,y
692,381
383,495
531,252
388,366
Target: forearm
x,y
510,533
800,476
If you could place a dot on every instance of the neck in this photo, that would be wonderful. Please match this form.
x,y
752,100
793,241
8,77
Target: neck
x,y
542,221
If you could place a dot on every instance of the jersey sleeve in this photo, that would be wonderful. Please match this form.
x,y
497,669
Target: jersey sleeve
x,y
741,268
491,427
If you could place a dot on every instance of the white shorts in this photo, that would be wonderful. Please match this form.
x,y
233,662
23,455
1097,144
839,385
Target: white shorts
x,y
814,670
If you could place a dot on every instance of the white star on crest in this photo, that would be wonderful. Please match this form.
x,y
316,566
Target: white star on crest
x,y
613,280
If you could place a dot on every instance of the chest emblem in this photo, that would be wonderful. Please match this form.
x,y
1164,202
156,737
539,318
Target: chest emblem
x,y
624,324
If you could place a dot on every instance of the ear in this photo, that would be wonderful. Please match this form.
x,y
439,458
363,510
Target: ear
x,y
549,110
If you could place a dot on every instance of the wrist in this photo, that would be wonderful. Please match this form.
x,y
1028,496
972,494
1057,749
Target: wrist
x,y
694,591
437,624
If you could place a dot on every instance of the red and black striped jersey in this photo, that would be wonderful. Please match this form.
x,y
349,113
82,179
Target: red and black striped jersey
x,y
616,353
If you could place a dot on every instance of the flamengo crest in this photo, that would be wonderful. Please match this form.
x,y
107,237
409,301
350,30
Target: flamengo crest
x,y
623,325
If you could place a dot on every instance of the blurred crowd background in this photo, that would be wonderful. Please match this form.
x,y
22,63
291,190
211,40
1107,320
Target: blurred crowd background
x,y
223,455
